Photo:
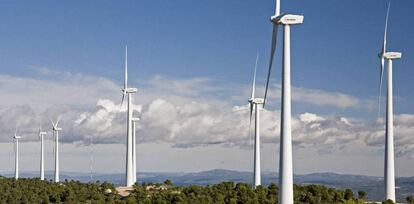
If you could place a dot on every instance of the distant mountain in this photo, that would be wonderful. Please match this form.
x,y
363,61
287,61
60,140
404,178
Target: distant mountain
x,y
370,184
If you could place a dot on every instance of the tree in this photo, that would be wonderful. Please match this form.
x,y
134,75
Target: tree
x,y
410,199
261,193
168,182
362,195
36,191
245,194
272,193
389,201
349,194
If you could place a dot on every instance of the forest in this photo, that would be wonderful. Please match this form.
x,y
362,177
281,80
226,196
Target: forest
x,y
38,191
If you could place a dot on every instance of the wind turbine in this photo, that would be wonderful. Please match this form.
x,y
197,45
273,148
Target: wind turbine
x,y
129,177
389,165
134,148
16,164
254,102
56,130
42,155
285,161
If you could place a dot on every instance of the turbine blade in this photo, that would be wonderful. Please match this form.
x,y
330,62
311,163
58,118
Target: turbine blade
x,y
53,124
254,77
251,113
126,75
57,121
126,69
250,123
251,136
277,8
14,147
272,54
383,51
380,86
123,97
384,45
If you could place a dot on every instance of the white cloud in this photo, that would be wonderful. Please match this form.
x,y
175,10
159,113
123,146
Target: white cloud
x,y
310,117
181,112
74,90
403,134
324,98
321,98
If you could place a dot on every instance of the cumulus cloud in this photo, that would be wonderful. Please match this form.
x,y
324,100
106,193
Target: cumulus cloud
x,y
183,112
200,124
403,134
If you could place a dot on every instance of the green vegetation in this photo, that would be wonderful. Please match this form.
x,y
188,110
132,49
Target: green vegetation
x,y
362,195
388,202
37,191
410,199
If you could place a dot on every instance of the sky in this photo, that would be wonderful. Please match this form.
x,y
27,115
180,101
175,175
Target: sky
x,y
192,62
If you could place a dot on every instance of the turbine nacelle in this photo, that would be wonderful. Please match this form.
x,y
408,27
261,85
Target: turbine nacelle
x,y
57,128
130,90
392,55
16,137
41,134
256,100
287,19
135,119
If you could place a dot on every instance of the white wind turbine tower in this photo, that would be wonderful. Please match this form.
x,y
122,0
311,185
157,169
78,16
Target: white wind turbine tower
x,y
16,149
42,154
56,130
134,148
129,177
254,102
285,161
389,165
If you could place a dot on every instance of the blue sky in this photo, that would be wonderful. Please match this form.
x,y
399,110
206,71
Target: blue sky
x,y
335,50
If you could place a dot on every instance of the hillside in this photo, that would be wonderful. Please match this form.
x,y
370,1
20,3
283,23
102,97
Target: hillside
x,y
372,185
36,191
